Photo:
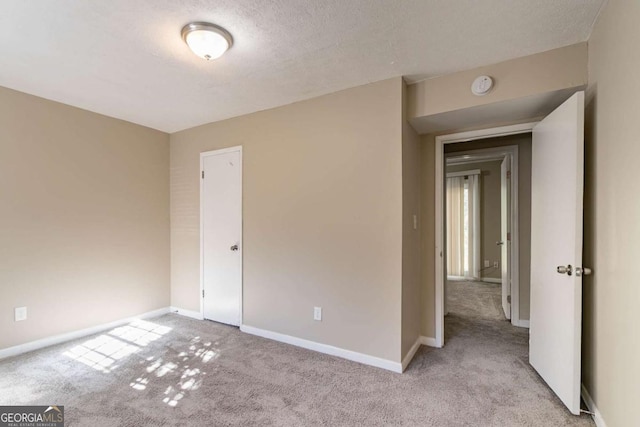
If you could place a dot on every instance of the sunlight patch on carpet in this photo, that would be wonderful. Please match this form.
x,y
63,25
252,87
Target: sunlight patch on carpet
x,y
103,352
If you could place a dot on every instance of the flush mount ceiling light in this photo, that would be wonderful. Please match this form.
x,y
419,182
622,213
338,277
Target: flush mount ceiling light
x,y
207,40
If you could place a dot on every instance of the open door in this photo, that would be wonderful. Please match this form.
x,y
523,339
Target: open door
x,y
556,249
505,243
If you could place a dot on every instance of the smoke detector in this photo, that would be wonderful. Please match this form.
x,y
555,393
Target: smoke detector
x,y
482,85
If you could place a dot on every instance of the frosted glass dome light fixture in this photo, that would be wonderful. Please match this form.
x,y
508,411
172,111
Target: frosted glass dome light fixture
x,y
206,40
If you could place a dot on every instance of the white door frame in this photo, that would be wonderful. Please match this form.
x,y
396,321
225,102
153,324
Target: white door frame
x,y
203,155
510,154
440,141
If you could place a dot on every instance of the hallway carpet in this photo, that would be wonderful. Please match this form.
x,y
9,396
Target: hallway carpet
x,y
175,371
475,299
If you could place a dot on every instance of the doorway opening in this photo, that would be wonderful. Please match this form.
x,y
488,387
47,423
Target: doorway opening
x,y
481,195
506,151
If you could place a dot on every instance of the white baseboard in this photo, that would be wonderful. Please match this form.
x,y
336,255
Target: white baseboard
x,y
428,341
597,416
57,339
412,352
188,313
491,280
324,348
520,322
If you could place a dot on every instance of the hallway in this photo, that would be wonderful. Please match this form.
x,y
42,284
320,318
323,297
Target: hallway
x,y
475,299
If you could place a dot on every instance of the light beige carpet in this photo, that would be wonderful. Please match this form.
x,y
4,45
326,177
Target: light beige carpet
x,y
475,299
175,371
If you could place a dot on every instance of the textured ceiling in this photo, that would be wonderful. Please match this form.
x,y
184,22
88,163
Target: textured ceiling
x,y
125,58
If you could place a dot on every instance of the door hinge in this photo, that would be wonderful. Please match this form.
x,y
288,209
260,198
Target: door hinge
x,y
509,236
509,299
202,174
203,293
508,174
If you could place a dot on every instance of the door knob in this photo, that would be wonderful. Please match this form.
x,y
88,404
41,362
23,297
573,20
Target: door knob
x,y
499,243
234,248
583,271
568,270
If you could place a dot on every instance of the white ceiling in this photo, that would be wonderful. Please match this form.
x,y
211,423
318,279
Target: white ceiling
x,y
125,58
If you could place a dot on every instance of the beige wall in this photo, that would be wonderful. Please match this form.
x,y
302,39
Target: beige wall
x,y
490,213
322,191
611,343
84,218
517,78
411,247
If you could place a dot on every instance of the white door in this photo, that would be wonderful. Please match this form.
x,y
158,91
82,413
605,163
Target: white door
x,y
505,247
221,225
556,243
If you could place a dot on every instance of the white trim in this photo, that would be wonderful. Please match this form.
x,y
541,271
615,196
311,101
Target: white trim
x,y
439,214
412,352
324,348
464,173
514,259
429,341
458,278
439,233
597,416
237,148
486,133
491,280
187,313
455,159
221,151
68,336
522,323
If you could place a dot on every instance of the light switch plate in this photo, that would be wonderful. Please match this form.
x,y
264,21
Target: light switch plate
x,y
20,313
317,313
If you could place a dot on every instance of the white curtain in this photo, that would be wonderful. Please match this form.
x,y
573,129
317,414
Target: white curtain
x,y
455,226
474,226
463,246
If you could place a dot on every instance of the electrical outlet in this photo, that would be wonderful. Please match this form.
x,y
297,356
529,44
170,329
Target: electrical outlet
x,y
487,263
317,313
415,222
20,313
496,264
